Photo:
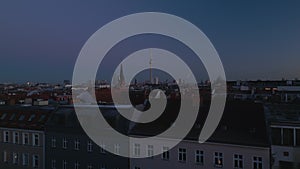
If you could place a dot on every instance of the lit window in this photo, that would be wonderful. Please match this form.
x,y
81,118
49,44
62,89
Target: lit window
x,y
182,154
257,162
89,146
150,150
166,154
25,159
137,150
238,161
199,157
218,159
15,158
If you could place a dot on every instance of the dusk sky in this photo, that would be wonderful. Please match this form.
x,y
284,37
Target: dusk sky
x,y
40,41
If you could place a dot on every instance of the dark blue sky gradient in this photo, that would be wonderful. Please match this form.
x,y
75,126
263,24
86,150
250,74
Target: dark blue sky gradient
x,y
40,41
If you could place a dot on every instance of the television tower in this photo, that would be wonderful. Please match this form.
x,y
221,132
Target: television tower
x,y
150,64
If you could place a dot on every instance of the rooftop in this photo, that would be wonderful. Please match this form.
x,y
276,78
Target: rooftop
x,y
24,117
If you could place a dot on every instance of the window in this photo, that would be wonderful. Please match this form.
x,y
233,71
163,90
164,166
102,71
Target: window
x,y
102,148
53,142
25,159
6,136
288,137
103,166
35,161
16,137
257,162
15,158
42,118
65,164
35,139
137,150
77,144
166,154
182,154
297,137
5,156
12,117
53,164
117,149
89,146
65,143
31,117
150,151
3,116
218,160
21,118
90,166
238,161
76,165
25,138
199,157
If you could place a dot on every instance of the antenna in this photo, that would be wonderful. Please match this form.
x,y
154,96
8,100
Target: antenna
x,y
150,63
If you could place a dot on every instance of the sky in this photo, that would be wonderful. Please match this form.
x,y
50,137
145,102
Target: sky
x,y
40,41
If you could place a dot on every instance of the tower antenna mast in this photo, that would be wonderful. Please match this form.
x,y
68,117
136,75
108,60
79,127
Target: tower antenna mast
x,y
150,63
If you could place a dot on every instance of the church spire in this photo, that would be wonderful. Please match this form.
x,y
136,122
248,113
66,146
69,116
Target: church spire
x,y
121,77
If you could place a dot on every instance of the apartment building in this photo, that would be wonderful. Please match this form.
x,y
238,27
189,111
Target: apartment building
x,y
69,147
240,142
22,138
285,135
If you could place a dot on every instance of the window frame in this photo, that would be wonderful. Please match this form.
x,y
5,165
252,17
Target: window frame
x,y
218,156
199,155
166,153
182,154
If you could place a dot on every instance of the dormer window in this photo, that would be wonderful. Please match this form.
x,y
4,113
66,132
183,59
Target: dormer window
x,y
31,117
3,116
21,118
42,118
12,116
